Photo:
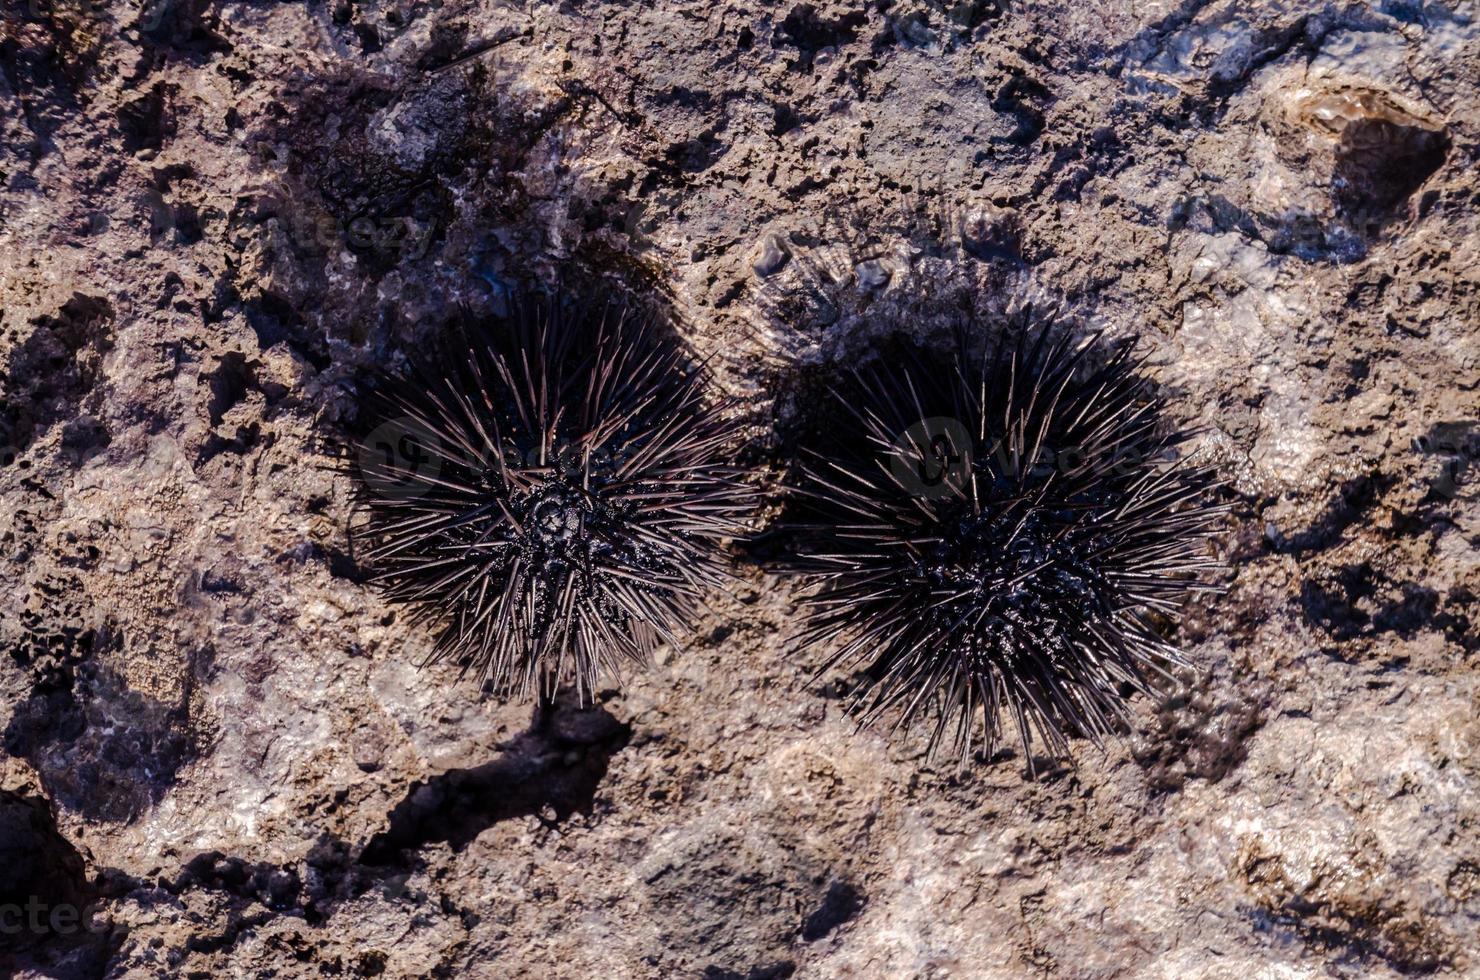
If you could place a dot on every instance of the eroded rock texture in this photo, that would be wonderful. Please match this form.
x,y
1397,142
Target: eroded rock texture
x,y
217,215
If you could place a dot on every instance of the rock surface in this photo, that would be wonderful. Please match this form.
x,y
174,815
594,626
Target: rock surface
x,y
217,215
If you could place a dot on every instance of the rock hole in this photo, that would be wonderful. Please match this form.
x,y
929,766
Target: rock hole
x,y
841,904
1380,163
47,377
233,378
147,121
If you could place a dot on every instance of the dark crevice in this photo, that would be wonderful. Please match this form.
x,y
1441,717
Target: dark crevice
x,y
233,378
808,33
1359,601
840,905
772,971
49,922
146,122
550,771
1351,502
47,378
1380,163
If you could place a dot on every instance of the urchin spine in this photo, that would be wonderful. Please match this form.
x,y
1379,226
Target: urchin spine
x,y
998,533
569,500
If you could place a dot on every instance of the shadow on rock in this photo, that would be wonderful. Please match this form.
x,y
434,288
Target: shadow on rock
x,y
47,904
550,771
102,749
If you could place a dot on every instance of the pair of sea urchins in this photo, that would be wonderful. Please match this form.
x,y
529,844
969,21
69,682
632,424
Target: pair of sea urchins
x,y
995,528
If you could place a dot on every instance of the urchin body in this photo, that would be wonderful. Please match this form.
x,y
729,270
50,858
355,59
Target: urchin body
x,y
567,501
999,532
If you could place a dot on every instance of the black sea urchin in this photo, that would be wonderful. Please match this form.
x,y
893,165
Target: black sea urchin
x,y
999,533
551,493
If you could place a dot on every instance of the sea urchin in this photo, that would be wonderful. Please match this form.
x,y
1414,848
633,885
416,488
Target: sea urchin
x,y
550,493
1000,532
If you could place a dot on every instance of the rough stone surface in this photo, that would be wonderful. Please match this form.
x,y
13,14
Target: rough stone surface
x,y
216,215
